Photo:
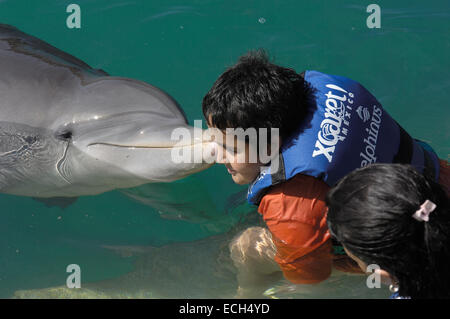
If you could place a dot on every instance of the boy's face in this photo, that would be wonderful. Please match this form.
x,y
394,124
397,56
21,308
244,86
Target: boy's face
x,y
242,171
236,158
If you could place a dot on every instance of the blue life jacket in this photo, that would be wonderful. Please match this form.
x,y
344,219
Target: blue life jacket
x,y
347,129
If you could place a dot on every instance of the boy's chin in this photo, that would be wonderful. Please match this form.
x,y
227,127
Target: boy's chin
x,y
238,179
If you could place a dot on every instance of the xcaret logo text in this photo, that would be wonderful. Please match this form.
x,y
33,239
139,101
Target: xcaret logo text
x,y
334,128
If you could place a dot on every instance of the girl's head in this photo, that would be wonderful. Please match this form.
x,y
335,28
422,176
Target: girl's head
x,y
370,212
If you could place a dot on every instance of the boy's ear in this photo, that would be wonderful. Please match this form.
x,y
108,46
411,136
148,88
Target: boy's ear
x,y
209,121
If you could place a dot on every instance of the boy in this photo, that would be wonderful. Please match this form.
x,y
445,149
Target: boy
x,y
328,126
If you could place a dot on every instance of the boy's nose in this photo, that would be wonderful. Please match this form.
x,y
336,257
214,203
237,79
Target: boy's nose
x,y
221,157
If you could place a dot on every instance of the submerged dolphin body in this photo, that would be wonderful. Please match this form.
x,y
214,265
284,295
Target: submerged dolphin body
x,y
69,130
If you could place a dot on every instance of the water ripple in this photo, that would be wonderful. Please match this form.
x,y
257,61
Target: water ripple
x,y
171,11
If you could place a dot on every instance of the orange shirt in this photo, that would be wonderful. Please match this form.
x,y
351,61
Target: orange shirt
x,y
295,213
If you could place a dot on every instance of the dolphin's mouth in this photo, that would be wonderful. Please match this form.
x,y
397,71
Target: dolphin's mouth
x,y
188,152
160,162
148,146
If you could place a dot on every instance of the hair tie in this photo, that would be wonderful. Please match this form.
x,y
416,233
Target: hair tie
x,y
425,209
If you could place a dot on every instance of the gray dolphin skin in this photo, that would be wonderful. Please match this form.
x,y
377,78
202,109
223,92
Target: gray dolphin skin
x,y
68,130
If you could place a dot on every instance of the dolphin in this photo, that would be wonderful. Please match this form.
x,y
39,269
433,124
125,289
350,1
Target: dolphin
x,y
68,130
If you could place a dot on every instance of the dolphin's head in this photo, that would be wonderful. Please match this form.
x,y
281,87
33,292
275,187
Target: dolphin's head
x,y
111,133
129,133
67,129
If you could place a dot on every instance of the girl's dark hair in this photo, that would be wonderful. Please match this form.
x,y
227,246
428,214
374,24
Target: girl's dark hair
x,y
370,213
255,93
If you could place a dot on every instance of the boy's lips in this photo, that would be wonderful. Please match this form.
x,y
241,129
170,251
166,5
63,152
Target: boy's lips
x,y
232,172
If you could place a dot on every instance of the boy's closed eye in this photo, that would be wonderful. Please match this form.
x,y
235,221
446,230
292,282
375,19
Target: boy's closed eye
x,y
229,149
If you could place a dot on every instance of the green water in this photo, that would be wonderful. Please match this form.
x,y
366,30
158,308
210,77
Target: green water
x,y
182,47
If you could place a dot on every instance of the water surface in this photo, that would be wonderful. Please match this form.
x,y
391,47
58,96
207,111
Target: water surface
x,y
182,47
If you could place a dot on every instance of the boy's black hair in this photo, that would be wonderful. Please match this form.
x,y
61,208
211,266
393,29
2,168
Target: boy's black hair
x,y
255,93
370,213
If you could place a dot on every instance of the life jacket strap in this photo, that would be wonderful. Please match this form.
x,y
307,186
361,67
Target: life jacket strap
x,y
429,169
280,175
405,149
405,152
